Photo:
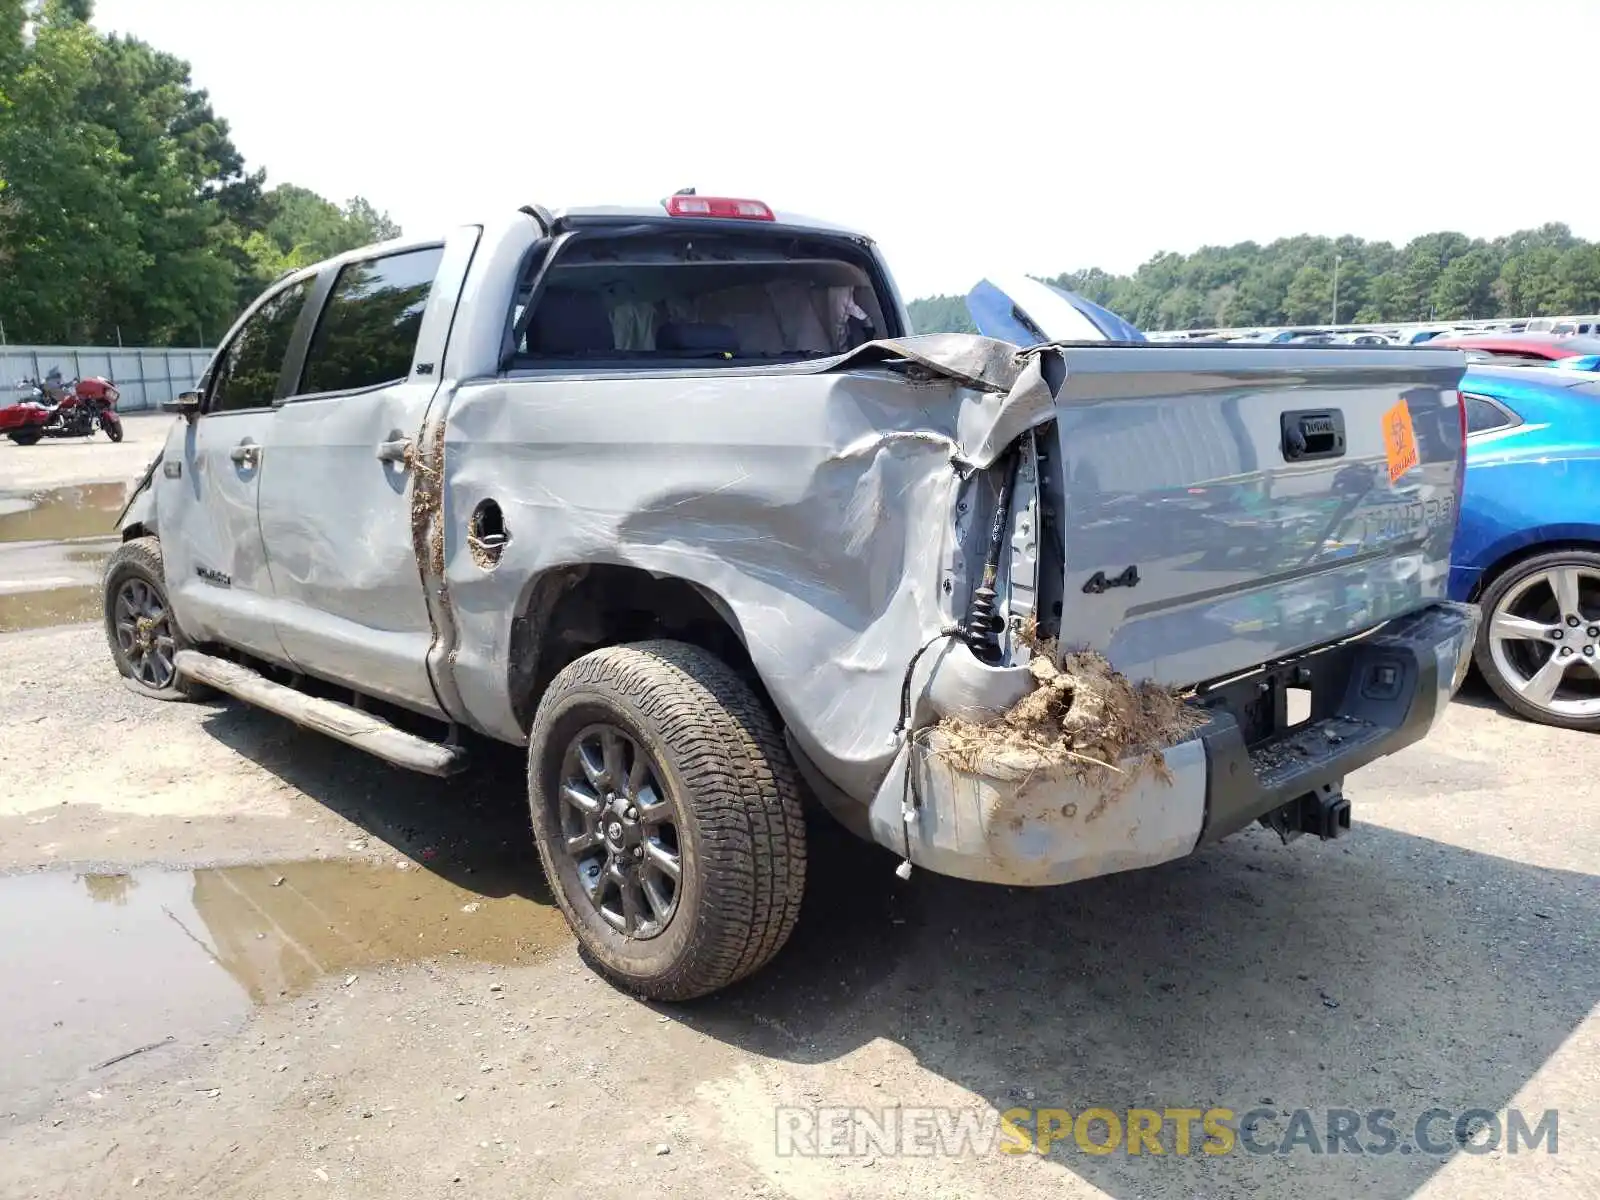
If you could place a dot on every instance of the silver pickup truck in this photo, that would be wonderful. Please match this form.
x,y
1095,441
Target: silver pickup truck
x,y
673,497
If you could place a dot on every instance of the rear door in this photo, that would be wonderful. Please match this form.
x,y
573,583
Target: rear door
x,y
206,492
336,510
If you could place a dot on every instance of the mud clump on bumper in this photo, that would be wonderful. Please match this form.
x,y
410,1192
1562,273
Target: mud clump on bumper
x,y
1088,774
1083,720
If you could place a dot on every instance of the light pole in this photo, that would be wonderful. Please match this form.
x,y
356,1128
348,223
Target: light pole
x,y
1335,320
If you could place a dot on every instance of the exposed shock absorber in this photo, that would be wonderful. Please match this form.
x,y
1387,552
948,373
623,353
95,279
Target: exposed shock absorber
x,y
983,623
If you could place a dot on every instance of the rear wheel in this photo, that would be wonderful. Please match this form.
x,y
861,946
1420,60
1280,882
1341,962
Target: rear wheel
x,y
668,818
143,637
24,437
1539,645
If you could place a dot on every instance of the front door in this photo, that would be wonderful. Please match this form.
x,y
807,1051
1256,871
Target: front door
x,y
336,514
206,491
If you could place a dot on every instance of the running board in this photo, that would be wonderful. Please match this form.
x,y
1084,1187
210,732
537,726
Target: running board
x,y
350,725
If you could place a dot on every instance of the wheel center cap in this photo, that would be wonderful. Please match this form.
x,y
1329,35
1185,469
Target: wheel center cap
x,y
614,834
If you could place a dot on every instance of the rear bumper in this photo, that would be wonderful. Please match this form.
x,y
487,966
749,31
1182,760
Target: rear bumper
x,y
1371,696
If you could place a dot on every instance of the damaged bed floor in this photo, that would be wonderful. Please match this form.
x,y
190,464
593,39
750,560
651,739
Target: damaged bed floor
x,y
341,979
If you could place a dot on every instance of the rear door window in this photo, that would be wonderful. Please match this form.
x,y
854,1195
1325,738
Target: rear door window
x,y
367,334
246,376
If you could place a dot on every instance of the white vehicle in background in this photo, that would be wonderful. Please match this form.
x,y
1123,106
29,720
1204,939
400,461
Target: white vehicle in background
x,y
1577,327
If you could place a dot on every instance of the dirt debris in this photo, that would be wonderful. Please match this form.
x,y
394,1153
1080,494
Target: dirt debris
x,y
484,555
1084,719
427,498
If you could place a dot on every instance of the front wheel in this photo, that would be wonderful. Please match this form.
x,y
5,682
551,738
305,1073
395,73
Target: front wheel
x,y
667,815
113,430
143,637
1539,644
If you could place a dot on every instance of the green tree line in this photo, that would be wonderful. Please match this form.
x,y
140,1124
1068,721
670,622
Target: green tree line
x,y
126,211
1437,276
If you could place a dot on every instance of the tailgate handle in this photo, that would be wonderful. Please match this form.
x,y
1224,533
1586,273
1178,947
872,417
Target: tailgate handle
x,y
1312,433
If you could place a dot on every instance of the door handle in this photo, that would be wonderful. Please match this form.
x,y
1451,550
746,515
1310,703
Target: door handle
x,y
397,451
246,453
1311,434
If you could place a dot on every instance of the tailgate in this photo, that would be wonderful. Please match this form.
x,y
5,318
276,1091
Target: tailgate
x,y
1223,506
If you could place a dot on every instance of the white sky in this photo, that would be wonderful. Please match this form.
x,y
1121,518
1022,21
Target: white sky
x,y
962,136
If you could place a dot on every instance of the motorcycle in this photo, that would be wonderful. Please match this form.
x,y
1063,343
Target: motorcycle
x,y
81,408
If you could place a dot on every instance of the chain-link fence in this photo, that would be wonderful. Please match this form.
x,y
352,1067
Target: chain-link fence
x,y
144,378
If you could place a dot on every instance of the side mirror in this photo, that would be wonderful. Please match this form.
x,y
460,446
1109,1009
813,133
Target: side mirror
x,y
187,405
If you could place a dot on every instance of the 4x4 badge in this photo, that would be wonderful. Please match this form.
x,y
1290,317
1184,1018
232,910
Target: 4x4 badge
x,y
1098,582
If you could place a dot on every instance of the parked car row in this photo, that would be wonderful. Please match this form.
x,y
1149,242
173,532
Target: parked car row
x,y
1408,334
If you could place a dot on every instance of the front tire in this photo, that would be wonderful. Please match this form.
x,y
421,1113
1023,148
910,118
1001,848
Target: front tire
x,y
140,629
1539,644
113,430
667,815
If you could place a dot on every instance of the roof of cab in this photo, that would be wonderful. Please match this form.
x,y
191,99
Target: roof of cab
x,y
655,212
604,213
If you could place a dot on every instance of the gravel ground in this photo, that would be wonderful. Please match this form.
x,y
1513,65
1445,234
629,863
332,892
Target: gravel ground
x,y
1444,954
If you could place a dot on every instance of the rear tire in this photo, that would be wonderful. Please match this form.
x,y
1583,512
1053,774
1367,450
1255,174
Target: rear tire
x,y
25,437
140,629
655,773
1519,652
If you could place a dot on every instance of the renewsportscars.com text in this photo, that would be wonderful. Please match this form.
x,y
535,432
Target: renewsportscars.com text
x,y
845,1132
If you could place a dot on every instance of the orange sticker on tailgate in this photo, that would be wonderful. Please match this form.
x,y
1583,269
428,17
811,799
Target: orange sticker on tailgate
x,y
1399,440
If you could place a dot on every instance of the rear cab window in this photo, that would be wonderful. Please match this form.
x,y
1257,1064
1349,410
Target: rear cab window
x,y
672,295
367,332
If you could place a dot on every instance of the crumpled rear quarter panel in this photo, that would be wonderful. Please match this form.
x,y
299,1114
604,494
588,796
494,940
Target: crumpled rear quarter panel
x,y
818,505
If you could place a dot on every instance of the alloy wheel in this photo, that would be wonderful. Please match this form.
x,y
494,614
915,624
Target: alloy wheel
x,y
621,829
1544,639
144,632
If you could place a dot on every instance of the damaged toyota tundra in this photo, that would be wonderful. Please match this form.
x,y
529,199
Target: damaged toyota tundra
x,y
672,497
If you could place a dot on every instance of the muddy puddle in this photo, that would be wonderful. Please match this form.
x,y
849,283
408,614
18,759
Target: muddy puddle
x,y
94,966
49,606
56,514
53,544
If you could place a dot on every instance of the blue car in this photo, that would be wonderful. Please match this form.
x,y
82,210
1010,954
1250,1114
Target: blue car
x,y
1528,544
